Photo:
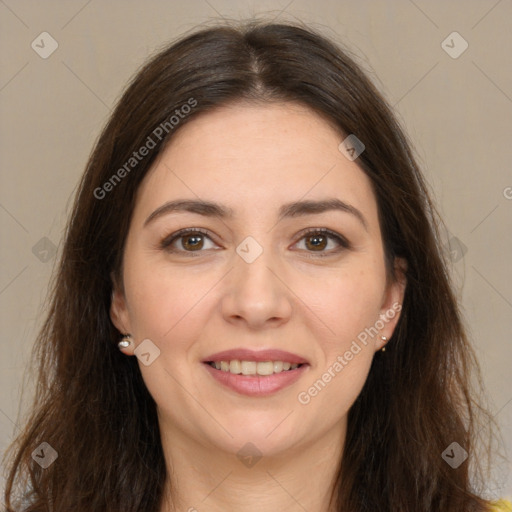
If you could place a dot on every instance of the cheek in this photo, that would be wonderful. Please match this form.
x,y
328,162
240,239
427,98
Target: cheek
x,y
347,303
334,390
350,307
161,299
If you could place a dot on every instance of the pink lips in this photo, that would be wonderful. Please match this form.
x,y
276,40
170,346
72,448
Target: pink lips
x,y
256,385
244,354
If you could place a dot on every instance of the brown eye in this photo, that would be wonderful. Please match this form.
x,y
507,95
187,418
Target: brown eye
x,y
187,241
192,242
323,242
316,242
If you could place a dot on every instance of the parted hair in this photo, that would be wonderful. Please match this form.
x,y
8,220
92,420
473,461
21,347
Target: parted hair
x,y
91,404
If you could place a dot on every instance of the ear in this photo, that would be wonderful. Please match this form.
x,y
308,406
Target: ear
x,y
119,312
392,301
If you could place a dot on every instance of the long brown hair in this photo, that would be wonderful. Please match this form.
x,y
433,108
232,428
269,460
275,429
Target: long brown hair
x,y
91,403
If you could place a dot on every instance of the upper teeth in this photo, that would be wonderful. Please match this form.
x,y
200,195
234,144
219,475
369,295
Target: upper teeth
x,y
253,367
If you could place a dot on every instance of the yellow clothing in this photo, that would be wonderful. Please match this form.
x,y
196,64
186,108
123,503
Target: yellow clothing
x,y
501,506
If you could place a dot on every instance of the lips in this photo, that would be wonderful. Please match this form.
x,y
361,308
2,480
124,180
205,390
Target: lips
x,y
255,373
244,354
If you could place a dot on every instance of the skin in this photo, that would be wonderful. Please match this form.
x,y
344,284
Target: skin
x,y
253,159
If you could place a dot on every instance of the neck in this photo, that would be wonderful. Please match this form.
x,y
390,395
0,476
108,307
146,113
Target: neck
x,y
205,478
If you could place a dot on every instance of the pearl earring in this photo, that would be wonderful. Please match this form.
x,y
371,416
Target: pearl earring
x,y
384,339
126,341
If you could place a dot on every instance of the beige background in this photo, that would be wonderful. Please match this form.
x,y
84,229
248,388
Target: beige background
x,y
457,112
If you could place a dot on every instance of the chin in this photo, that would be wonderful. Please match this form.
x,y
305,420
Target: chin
x,y
270,435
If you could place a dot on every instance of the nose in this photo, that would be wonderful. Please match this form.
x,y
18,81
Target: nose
x,y
256,294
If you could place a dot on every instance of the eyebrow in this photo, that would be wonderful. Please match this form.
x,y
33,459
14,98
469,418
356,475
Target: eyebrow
x,y
289,210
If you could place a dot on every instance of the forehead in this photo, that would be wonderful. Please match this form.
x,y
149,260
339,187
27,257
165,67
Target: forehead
x,y
254,158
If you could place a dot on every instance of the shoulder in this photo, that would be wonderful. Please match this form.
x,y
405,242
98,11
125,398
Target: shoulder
x,y
501,506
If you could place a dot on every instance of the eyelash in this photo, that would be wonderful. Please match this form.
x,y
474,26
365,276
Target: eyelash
x,y
342,241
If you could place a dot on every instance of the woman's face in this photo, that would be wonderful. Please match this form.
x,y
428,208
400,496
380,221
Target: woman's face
x,y
283,266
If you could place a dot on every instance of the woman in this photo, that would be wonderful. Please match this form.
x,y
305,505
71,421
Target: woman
x,y
252,311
